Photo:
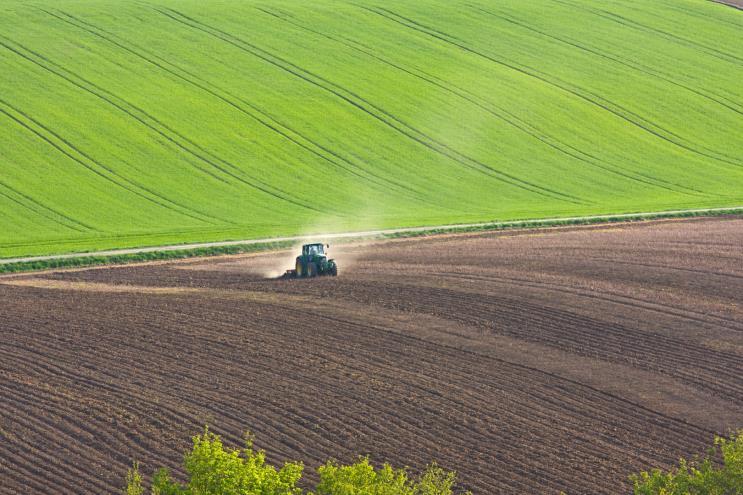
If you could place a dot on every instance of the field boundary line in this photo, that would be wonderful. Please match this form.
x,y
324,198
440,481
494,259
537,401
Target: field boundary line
x,y
174,251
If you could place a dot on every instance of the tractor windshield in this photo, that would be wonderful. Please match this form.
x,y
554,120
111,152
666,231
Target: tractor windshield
x,y
314,249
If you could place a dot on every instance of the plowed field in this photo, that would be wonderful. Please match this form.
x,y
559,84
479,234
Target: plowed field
x,y
530,362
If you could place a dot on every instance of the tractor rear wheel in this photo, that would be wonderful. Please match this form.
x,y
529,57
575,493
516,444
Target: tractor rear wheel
x,y
312,270
299,269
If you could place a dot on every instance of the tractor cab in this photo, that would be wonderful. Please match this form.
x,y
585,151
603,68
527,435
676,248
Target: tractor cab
x,y
313,250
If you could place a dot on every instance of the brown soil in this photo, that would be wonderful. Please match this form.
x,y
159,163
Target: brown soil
x,y
530,362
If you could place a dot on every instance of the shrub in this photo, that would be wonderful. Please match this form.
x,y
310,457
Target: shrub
x,y
699,477
216,470
363,479
134,481
213,469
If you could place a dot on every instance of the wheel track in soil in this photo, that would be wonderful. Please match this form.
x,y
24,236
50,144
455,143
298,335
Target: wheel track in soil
x,y
55,217
239,104
217,168
97,167
69,150
703,92
371,110
728,57
577,92
500,113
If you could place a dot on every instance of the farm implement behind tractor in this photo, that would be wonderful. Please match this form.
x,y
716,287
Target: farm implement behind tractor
x,y
313,262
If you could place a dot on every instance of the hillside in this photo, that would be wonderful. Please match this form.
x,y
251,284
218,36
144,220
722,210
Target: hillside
x,y
128,123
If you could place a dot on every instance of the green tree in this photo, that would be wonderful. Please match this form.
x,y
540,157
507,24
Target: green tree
x,y
362,478
214,469
699,477
436,481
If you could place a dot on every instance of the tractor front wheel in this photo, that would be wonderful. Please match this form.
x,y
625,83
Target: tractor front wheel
x,y
334,271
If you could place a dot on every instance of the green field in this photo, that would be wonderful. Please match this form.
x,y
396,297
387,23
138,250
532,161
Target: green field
x,y
142,123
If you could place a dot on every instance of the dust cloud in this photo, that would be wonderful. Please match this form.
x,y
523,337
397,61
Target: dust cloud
x,y
345,253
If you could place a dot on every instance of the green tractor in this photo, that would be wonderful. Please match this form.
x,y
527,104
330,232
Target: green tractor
x,y
313,262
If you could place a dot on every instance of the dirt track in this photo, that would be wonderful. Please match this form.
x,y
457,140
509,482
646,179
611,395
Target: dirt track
x,y
733,3
530,362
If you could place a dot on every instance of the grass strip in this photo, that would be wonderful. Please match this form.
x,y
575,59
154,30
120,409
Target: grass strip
x,y
203,252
